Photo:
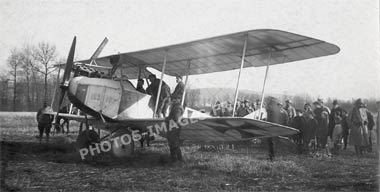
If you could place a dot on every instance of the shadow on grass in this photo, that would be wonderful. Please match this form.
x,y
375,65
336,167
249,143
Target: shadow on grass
x,y
66,153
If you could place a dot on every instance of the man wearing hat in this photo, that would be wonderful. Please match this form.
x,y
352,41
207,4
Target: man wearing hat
x,y
178,91
164,98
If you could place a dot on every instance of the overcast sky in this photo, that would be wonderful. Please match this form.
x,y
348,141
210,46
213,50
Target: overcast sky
x,y
134,25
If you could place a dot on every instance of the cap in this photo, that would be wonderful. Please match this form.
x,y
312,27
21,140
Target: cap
x,y
178,76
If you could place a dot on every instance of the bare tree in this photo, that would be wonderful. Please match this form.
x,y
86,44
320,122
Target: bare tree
x,y
14,62
44,55
27,64
4,79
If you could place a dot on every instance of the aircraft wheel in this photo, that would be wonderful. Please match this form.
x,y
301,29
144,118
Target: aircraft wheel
x,y
87,138
122,144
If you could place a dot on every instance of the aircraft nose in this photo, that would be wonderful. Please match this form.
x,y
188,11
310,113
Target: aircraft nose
x,y
73,86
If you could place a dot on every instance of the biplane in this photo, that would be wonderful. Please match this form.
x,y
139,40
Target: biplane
x,y
102,90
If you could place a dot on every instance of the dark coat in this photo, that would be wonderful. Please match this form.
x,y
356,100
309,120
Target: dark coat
x,y
335,112
44,118
152,89
178,91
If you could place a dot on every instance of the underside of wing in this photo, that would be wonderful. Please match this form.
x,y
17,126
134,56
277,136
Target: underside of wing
x,y
232,129
214,129
222,53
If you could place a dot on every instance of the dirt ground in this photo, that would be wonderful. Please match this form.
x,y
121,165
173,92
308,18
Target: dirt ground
x,y
56,166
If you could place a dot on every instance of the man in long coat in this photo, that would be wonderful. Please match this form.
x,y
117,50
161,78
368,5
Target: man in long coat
x,y
357,121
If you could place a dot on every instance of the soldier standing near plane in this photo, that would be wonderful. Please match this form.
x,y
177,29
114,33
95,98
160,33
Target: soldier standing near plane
x,y
178,91
163,100
44,121
173,134
273,116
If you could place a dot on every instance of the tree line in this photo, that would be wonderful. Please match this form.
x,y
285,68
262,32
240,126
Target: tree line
x,y
29,79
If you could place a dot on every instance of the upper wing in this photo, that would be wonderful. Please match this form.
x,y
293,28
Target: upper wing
x,y
216,129
223,53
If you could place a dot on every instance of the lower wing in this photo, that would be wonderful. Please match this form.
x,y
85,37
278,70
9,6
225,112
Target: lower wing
x,y
202,129
215,128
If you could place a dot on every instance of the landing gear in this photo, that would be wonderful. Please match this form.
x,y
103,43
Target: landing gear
x,y
122,144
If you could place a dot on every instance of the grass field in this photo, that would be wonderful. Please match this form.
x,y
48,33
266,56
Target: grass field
x,y
30,166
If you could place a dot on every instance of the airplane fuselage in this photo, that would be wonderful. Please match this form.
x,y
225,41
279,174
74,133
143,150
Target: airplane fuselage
x,y
114,100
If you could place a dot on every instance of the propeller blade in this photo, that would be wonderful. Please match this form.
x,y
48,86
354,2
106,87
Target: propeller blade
x,y
66,77
69,62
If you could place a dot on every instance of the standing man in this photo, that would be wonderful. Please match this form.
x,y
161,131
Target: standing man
x,y
164,98
173,134
284,115
273,116
322,117
216,110
357,121
290,110
371,124
378,123
178,91
228,110
336,113
140,86
44,121
345,130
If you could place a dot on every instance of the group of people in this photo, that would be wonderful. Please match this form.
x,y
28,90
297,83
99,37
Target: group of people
x,y
320,127
243,108
336,128
165,98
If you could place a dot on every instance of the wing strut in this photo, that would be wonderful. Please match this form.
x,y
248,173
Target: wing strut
x,y
160,86
241,67
265,80
187,76
56,88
